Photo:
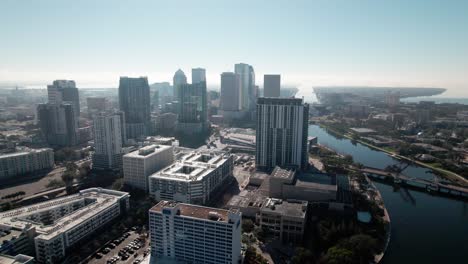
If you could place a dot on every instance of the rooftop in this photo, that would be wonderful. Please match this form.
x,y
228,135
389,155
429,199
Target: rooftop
x,y
251,199
194,211
362,130
317,181
282,173
193,166
24,152
286,208
280,101
147,151
18,259
93,200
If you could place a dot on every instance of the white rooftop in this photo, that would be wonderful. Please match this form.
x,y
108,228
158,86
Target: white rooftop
x,y
147,151
98,199
192,167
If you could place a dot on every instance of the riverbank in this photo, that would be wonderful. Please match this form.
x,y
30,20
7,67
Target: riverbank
x,y
416,217
386,218
453,177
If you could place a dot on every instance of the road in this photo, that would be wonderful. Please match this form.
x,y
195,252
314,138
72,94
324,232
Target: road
x,y
38,184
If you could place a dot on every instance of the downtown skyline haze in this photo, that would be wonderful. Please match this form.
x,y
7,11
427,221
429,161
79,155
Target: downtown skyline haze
x,y
311,43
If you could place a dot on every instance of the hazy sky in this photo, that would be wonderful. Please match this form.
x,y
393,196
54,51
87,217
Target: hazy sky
x,y
402,43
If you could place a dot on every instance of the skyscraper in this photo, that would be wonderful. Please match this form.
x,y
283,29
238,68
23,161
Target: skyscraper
x,y
134,99
192,107
192,103
230,92
198,75
107,141
64,91
281,135
58,123
271,85
247,78
179,79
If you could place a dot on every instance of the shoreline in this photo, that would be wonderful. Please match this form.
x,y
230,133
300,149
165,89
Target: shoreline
x,y
386,217
444,173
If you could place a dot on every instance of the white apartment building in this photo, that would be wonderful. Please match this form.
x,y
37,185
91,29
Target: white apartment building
x,y
194,234
54,226
107,141
140,164
192,179
25,161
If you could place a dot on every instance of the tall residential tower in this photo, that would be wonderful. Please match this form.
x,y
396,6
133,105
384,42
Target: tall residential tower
x,y
282,127
107,141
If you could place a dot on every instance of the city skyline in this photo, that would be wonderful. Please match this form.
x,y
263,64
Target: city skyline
x,y
371,44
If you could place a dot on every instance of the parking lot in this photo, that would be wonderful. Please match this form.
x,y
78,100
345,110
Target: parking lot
x,y
127,249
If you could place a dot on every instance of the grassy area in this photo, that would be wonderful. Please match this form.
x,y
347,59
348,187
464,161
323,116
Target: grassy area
x,y
449,175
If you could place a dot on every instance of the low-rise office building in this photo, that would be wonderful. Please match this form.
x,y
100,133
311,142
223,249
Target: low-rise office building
x,y
140,164
194,234
248,203
284,219
50,228
289,184
25,161
193,178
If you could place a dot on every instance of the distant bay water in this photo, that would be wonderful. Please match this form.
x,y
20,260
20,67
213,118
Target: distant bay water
x,y
309,97
437,100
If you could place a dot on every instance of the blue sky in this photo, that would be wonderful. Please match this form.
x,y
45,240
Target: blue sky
x,y
401,43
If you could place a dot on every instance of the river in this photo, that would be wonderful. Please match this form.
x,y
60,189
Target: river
x,y
425,228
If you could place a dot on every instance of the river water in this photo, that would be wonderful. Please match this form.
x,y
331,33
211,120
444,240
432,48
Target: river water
x,y
425,228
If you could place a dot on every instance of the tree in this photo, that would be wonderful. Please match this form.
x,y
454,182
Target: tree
x,y
54,183
247,226
302,256
363,246
68,177
338,255
252,257
118,184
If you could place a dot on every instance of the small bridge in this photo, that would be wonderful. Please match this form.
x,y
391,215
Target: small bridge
x,y
432,186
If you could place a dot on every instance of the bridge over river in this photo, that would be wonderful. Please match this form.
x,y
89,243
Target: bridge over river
x,y
432,186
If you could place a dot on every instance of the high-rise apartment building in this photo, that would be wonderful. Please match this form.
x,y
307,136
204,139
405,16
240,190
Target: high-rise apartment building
x,y
107,141
64,91
230,92
134,99
178,80
247,79
58,123
271,85
194,234
281,136
140,164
